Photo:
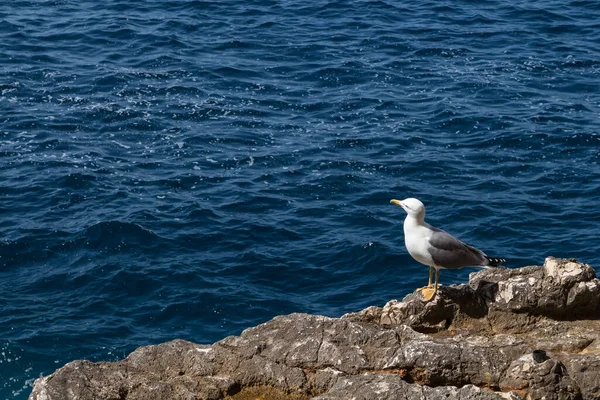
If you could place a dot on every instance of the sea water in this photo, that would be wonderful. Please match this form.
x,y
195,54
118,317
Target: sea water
x,y
187,169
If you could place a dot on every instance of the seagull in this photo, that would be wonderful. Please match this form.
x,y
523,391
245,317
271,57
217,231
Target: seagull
x,y
435,248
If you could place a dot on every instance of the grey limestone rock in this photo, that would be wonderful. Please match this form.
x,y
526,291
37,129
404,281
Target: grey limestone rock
x,y
528,333
392,387
541,378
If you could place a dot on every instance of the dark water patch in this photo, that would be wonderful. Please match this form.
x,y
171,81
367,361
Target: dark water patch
x,y
117,236
21,251
78,181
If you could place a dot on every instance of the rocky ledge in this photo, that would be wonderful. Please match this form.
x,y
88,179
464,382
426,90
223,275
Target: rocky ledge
x,y
527,333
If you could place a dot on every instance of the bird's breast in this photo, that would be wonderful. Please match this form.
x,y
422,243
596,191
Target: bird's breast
x,y
417,244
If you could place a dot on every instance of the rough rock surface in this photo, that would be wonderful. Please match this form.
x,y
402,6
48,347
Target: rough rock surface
x,y
528,333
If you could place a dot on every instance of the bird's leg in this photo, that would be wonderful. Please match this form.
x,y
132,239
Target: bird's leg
x,y
429,285
429,292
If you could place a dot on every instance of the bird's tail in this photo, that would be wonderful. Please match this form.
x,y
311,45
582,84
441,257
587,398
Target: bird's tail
x,y
494,262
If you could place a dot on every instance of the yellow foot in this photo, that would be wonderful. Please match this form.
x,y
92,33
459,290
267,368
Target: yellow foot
x,y
424,288
428,293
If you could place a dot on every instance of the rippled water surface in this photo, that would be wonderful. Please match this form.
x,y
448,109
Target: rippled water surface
x,y
186,169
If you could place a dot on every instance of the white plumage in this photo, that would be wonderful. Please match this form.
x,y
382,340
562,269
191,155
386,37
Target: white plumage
x,y
436,248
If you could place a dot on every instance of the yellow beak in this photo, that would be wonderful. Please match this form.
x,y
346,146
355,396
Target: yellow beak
x,y
396,202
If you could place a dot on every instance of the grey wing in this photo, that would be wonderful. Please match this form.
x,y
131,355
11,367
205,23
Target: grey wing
x,y
449,252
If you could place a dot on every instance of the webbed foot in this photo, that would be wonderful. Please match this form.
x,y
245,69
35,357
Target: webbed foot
x,y
428,292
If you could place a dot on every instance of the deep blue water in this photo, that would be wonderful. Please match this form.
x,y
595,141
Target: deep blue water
x,y
186,169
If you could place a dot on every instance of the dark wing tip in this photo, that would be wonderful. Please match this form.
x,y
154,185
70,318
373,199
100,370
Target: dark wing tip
x,y
494,262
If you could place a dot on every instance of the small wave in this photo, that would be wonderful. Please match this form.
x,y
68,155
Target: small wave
x,y
203,214
118,235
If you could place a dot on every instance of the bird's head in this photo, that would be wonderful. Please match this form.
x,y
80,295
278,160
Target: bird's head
x,y
413,207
